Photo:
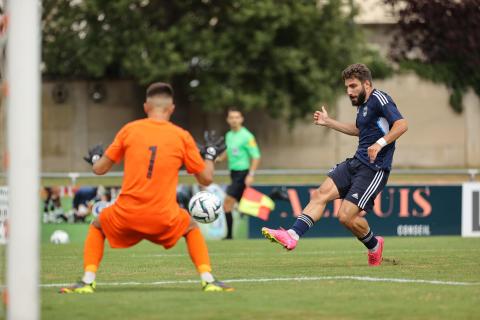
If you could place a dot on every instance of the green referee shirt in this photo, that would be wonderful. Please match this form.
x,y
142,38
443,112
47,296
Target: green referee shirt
x,y
241,148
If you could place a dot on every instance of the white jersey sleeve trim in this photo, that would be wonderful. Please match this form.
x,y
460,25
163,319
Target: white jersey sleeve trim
x,y
381,98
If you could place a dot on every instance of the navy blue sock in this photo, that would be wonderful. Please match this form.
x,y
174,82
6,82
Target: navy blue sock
x,y
302,224
369,240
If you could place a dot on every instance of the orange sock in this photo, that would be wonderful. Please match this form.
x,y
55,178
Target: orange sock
x,y
197,248
93,250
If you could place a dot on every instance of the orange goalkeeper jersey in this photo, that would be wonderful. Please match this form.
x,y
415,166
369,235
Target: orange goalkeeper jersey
x,y
153,153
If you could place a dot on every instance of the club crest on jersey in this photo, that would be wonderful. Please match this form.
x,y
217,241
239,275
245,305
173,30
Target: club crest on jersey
x,y
365,111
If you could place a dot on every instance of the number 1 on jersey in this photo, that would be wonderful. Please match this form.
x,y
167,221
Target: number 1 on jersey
x,y
153,149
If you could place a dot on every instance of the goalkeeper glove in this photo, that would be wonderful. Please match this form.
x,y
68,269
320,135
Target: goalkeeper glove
x,y
94,154
213,146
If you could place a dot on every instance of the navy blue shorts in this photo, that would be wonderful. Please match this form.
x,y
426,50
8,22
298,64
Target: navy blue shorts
x,y
358,183
236,188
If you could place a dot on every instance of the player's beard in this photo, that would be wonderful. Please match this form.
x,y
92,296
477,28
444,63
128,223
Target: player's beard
x,y
360,98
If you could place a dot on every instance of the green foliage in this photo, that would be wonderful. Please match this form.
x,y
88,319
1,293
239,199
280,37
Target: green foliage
x,y
284,56
441,73
437,41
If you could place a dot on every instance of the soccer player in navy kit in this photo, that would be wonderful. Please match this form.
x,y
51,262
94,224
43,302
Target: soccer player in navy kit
x,y
357,180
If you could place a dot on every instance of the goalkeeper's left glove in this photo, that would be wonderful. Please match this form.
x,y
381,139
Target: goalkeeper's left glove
x,y
213,146
94,154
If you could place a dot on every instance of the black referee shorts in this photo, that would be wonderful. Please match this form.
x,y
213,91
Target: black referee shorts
x,y
358,183
236,188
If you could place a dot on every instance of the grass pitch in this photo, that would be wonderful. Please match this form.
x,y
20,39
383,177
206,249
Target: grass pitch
x,y
315,281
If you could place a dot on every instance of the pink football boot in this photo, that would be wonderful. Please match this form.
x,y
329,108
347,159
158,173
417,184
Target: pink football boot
x,y
375,258
280,236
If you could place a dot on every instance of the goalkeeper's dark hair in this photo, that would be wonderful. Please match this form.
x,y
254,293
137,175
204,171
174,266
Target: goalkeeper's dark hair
x,y
358,71
159,88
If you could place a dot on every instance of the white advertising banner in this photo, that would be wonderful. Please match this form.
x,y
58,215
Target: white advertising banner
x,y
471,209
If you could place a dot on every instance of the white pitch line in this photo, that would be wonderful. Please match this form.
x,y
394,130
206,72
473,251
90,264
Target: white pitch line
x,y
323,278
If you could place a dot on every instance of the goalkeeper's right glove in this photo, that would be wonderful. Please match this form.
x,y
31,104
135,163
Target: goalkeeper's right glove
x,y
213,147
94,154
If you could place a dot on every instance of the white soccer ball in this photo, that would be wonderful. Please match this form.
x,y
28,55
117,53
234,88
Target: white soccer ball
x,y
59,237
205,207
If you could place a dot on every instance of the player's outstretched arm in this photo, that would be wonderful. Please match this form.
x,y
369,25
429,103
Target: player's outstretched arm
x,y
101,164
321,118
399,127
205,177
212,148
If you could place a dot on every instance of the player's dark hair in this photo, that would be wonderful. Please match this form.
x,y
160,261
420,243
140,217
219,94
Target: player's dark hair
x,y
234,109
159,88
358,71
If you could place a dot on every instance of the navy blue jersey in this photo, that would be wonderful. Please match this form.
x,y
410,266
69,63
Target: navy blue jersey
x,y
375,118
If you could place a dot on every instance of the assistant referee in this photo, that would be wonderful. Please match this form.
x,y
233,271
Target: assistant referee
x,y
243,157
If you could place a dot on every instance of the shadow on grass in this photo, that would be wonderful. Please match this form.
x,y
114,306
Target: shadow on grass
x,y
146,289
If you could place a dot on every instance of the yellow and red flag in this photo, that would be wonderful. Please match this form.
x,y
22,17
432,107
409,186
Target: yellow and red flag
x,y
256,204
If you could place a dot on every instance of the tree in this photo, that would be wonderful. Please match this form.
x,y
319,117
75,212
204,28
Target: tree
x,y
283,56
440,41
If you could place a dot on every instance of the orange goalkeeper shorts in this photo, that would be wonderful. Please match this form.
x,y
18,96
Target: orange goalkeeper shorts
x,y
124,230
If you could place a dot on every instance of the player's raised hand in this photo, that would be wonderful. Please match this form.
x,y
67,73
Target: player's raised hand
x,y
94,154
320,117
213,147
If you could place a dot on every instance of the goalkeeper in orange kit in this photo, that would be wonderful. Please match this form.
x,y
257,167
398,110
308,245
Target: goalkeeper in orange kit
x,y
153,150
